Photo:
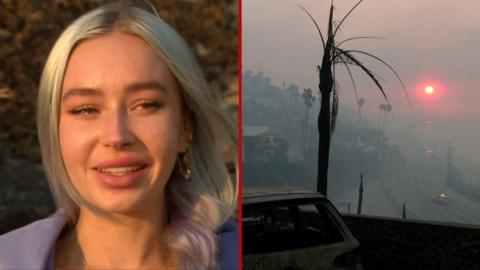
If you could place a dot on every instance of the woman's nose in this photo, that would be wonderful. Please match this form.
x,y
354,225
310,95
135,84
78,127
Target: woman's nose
x,y
116,132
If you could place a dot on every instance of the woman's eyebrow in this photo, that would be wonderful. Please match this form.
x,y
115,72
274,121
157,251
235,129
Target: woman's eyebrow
x,y
81,91
134,87
147,85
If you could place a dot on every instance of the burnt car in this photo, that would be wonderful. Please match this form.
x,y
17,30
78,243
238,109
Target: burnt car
x,y
294,229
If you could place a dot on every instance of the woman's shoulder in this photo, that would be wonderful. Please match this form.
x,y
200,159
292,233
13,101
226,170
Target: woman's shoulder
x,y
228,244
228,232
29,247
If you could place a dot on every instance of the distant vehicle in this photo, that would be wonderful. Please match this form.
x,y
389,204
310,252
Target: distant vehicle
x,y
293,229
441,198
431,153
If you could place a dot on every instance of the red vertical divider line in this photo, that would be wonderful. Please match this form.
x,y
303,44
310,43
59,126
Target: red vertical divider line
x,y
240,172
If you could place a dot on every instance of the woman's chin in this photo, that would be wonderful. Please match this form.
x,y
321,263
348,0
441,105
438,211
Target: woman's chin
x,y
125,203
120,208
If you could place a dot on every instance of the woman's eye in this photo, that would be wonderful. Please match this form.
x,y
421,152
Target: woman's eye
x,y
84,111
149,106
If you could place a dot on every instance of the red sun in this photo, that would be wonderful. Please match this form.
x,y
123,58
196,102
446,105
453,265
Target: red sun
x,y
429,90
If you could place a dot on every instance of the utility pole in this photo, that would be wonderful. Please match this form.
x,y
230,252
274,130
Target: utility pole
x,y
360,195
404,211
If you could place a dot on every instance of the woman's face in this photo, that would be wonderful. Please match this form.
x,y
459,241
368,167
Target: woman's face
x,y
121,123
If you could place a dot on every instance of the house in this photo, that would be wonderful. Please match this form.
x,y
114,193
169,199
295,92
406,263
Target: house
x,y
262,144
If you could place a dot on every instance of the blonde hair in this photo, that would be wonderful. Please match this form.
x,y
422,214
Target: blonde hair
x,y
201,204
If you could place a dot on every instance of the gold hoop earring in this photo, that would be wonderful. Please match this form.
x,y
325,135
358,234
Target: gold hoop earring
x,y
184,161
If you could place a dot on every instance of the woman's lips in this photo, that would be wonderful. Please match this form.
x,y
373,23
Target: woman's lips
x,y
121,177
120,162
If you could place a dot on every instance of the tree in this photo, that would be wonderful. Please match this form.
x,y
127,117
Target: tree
x,y
293,92
388,109
384,110
360,103
334,54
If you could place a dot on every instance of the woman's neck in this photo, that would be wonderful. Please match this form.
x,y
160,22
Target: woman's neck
x,y
116,242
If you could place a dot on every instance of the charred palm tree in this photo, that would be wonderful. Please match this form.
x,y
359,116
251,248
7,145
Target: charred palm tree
x,y
334,54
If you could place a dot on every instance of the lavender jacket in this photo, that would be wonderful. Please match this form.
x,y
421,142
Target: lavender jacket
x,y
32,246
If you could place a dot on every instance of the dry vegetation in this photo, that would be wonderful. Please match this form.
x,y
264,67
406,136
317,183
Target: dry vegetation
x,y
29,28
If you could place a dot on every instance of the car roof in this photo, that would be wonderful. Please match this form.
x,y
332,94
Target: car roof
x,y
279,194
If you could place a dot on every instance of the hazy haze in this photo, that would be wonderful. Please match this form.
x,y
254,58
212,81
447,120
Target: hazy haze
x,y
428,42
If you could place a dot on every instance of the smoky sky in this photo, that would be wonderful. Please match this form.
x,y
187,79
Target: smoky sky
x,y
428,42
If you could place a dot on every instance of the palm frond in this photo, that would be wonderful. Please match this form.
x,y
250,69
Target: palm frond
x,y
354,38
316,25
346,61
335,25
349,55
354,87
341,22
399,79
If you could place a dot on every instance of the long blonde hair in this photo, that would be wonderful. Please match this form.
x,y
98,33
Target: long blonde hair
x,y
209,198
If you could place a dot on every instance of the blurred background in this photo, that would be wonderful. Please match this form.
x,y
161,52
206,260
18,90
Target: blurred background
x,y
28,30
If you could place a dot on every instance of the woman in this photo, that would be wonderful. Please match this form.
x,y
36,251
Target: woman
x,y
129,137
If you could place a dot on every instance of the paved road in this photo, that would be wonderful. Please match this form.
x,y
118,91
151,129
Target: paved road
x,y
415,184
